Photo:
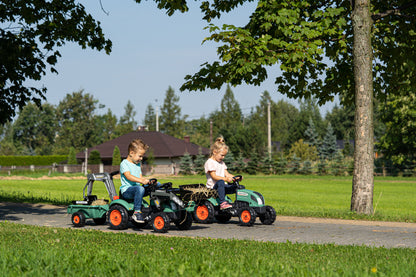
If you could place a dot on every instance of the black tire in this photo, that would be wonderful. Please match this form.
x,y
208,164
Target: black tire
x,y
100,221
118,217
247,216
160,222
185,221
78,219
223,217
269,216
204,213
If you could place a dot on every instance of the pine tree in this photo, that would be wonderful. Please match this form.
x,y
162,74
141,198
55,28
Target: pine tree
x,y
322,167
252,165
171,121
199,163
338,166
311,135
329,144
229,161
280,165
266,164
294,165
116,156
95,157
72,158
186,164
306,168
239,163
150,118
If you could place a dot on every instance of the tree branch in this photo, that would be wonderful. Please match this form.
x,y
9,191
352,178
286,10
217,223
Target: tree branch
x,y
397,11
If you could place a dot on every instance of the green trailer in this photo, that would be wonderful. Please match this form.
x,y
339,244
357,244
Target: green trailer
x,y
91,207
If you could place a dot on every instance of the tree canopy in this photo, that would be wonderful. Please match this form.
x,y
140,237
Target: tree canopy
x,y
31,32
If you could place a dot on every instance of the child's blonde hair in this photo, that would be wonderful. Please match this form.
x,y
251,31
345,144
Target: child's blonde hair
x,y
218,145
137,144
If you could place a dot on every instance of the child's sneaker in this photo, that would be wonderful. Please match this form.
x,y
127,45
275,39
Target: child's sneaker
x,y
225,205
138,217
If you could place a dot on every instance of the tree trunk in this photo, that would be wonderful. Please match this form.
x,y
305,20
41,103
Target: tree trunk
x,y
363,179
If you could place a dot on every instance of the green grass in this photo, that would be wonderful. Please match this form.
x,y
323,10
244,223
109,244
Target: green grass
x,y
317,196
44,251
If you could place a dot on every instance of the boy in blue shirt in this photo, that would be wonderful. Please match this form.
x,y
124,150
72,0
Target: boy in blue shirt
x,y
131,177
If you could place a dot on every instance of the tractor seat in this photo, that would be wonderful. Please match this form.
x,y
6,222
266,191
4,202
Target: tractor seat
x,y
125,199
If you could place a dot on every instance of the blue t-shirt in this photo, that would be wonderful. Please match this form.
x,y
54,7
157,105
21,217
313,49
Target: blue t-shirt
x,y
134,169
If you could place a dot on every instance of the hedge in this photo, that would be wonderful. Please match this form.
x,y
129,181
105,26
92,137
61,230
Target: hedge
x,y
31,160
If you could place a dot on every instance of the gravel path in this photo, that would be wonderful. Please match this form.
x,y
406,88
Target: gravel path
x,y
294,229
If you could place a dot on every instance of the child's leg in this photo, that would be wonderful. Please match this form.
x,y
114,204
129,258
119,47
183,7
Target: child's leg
x,y
136,193
220,187
229,189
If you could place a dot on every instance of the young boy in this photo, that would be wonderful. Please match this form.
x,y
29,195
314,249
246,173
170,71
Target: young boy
x,y
131,177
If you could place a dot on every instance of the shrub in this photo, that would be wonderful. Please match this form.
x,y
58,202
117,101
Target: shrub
x,y
31,160
95,157
116,156
185,166
72,158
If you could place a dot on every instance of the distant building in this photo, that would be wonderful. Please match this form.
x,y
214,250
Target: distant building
x,y
166,150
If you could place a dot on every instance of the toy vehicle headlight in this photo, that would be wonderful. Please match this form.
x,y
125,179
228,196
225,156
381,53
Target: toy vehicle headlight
x,y
259,201
178,201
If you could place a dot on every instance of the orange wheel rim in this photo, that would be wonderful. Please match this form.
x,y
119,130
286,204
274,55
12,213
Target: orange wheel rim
x,y
115,217
245,216
159,222
202,212
77,219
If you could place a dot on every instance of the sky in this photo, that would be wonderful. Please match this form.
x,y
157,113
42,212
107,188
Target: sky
x,y
151,51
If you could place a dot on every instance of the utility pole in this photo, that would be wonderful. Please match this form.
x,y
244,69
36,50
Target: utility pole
x,y
210,132
157,117
86,162
269,131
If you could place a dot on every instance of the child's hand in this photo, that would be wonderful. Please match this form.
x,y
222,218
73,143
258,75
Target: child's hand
x,y
229,180
145,181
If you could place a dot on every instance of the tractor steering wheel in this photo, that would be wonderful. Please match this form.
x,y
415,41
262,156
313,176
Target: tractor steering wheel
x,y
237,178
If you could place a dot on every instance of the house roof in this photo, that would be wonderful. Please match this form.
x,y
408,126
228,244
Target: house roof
x,y
163,146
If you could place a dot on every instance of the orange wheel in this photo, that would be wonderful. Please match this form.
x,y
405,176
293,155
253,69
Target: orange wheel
x,y
245,216
118,217
77,220
159,223
202,212
115,217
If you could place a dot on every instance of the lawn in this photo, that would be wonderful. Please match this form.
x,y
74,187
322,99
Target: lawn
x,y
45,251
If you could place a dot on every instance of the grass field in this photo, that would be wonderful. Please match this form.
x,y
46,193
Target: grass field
x,y
42,251
317,196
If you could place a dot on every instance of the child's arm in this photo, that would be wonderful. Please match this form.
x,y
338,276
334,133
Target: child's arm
x,y
228,174
136,179
216,178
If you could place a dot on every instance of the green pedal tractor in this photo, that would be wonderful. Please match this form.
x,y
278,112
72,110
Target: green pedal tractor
x,y
164,207
247,206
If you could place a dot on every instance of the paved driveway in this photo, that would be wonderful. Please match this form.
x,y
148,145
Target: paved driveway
x,y
294,229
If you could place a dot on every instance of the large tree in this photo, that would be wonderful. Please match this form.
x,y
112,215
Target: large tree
x,y
399,115
76,118
324,48
127,122
171,121
31,32
35,129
